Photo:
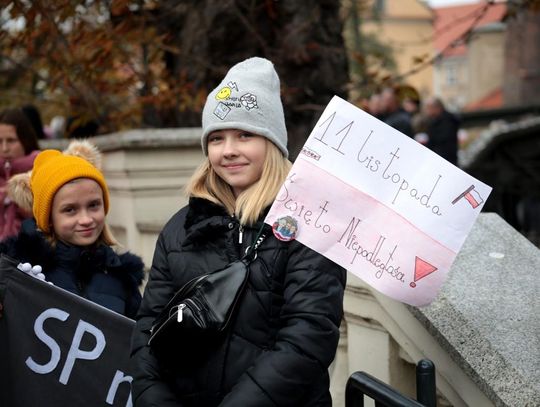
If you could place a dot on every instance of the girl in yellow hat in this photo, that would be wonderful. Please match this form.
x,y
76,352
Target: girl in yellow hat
x,y
68,237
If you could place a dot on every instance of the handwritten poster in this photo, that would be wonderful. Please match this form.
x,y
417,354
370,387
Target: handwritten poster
x,y
377,203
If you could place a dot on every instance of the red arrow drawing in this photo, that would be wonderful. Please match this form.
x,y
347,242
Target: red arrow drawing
x,y
421,269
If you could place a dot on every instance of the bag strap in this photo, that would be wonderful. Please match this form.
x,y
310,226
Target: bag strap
x,y
251,251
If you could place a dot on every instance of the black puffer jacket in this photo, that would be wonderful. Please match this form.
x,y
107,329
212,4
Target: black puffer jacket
x,y
401,121
443,136
285,331
97,274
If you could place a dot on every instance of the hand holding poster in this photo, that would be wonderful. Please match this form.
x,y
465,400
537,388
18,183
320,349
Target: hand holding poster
x,y
378,203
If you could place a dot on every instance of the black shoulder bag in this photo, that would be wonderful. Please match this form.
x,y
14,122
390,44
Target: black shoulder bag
x,y
202,308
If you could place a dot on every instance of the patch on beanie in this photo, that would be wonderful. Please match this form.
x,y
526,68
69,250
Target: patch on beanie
x,y
249,101
229,101
222,110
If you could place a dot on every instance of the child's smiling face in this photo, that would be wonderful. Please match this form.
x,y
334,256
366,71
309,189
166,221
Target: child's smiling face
x,y
237,156
78,212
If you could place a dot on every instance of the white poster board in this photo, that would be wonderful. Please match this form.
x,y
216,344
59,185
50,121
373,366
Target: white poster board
x,y
378,203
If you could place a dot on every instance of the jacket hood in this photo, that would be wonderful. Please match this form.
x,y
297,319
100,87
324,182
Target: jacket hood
x,y
201,209
206,220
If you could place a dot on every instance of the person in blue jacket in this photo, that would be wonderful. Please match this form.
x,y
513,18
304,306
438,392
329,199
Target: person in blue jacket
x,y
68,239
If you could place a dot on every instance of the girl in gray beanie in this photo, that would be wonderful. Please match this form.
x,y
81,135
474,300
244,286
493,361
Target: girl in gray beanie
x,y
284,331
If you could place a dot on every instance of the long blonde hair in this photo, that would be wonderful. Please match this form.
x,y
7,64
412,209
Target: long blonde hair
x,y
250,204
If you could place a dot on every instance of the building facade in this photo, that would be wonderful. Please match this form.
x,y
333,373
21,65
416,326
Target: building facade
x,y
406,26
469,47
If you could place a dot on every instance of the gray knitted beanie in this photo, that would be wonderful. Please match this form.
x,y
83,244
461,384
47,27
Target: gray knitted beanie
x,y
248,99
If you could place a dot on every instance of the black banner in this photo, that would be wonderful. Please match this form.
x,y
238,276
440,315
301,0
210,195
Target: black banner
x,y
57,349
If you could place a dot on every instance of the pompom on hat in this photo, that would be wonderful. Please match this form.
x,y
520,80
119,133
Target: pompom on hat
x,y
247,99
52,169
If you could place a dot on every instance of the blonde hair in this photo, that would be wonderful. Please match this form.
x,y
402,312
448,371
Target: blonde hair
x,y
250,204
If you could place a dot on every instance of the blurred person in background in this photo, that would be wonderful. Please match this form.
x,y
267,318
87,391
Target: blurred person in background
x,y
57,127
18,149
374,105
393,114
32,113
410,100
442,129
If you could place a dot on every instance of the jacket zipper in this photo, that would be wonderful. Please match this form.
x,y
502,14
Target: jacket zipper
x,y
179,309
191,283
240,234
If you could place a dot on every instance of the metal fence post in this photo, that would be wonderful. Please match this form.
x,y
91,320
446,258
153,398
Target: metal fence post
x,y
426,390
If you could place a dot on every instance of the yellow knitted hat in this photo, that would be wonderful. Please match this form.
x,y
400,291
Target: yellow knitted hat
x,y
51,171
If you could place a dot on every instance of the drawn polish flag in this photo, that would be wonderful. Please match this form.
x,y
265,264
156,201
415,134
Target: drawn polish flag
x,y
421,269
471,195
474,198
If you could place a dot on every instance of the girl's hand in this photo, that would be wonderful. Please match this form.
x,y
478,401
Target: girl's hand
x,y
34,271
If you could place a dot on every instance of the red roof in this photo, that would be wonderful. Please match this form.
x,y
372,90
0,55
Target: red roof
x,y
452,22
492,100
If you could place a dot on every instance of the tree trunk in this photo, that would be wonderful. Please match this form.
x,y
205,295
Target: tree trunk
x,y
302,38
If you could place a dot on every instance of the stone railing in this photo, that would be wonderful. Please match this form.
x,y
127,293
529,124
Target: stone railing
x,y
482,332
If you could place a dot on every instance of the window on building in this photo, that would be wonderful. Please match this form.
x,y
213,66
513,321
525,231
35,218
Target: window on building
x,y
451,75
378,7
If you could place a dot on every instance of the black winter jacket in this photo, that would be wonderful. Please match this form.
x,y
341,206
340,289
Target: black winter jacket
x,y
401,121
286,328
443,136
98,274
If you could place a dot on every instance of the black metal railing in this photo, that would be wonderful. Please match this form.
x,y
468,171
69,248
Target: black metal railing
x,y
426,389
362,384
